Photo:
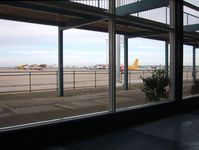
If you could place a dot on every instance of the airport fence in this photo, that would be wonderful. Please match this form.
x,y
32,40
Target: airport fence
x,y
30,81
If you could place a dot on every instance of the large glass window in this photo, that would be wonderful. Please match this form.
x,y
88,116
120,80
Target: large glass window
x,y
146,58
85,71
190,71
29,73
187,70
190,60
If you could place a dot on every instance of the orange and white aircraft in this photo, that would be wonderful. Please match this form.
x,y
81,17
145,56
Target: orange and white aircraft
x,y
132,67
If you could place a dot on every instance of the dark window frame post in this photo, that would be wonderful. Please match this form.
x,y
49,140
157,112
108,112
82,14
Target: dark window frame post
x,y
60,63
176,46
194,64
125,63
167,58
112,57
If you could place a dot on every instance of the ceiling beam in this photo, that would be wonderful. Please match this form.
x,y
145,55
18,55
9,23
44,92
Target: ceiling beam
x,y
140,6
191,6
192,28
36,6
145,34
81,23
145,5
31,20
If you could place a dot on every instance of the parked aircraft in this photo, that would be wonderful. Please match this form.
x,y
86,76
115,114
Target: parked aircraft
x,y
101,66
155,67
23,67
37,67
32,67
132,67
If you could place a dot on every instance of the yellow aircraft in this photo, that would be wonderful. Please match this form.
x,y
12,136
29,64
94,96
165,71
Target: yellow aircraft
x,y
132,67
22,67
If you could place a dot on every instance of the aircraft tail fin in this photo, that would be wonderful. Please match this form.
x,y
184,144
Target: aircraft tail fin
x,y
135,63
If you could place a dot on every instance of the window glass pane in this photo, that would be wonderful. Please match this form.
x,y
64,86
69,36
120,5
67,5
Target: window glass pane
x,y
145,57
187,70
85,71
190,65
29,73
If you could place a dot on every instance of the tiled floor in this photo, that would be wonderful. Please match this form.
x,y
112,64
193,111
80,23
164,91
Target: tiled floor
x,y
179,132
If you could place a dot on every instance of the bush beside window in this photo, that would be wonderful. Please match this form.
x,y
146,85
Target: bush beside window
x,y
154,86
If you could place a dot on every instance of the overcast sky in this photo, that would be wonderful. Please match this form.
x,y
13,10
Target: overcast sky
x,y
25,43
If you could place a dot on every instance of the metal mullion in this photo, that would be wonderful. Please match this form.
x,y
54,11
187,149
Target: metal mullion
x,y
167,58
60,63
176,52
112,57
194,63
125,63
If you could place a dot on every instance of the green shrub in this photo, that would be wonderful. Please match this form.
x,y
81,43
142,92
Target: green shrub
x,y
154,86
